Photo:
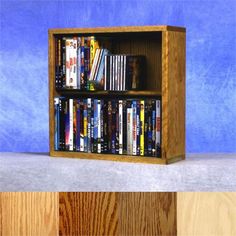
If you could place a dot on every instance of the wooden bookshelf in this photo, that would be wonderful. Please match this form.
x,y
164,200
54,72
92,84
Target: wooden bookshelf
x,y
165,49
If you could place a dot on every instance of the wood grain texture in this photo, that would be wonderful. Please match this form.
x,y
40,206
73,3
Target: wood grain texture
x,y
52,91
119,29
147,214
148,44
206,214
117,214
88,213
173,94
29,214
109,157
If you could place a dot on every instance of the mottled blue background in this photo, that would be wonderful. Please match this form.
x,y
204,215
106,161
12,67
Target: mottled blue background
x,y
211,64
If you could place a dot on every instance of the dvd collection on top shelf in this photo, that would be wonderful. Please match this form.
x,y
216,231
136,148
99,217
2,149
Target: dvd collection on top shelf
x,y
84,63
101,124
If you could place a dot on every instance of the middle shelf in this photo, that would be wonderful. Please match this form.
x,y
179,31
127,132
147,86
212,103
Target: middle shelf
x,y
117,94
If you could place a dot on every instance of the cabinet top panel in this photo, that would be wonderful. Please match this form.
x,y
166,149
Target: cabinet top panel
x,y
120,29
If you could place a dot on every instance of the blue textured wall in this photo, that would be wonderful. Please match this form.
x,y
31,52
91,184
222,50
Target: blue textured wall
x,y
211,64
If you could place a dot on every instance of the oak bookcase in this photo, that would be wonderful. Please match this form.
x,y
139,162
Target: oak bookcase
x,y
165,49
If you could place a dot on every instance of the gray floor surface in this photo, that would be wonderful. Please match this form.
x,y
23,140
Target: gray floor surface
x,y
39,172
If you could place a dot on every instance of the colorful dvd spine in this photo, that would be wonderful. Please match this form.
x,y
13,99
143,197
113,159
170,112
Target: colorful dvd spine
x,y
67,125
117,128
82,65
100,73
56,63
142,105
85,126
74,124
105,126
89,104
60,75
134,130
92,50
99,146
94,45
71,51
158,128
56,124
124,127
86,62
109,108
146,128
78,62
138,128
121,127
129,131
77,125
113,128
81,125
62,124
102,125
71,120
149,128
92,125
63,54
95,129
153,128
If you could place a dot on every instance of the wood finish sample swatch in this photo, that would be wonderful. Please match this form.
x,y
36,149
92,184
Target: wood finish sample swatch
x,y
28,214
88,213
147,214
206,214
117,214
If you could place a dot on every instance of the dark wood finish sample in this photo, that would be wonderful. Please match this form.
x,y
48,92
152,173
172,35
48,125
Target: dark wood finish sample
x,y
88,213
117,214
147,214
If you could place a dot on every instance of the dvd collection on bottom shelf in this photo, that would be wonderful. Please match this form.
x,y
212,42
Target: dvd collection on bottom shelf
x,y
128,126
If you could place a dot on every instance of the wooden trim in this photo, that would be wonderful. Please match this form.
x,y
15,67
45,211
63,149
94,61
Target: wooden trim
x,y
108,157
119,29
164,120
77,92
175,159
51,72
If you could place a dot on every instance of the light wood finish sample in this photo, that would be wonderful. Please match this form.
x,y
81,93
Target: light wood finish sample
x,y
28,214
206,214
117,214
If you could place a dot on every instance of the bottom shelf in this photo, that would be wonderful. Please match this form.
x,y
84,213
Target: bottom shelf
x,y
109,157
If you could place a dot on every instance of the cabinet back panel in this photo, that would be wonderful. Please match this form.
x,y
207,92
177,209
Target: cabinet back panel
x,y
143,44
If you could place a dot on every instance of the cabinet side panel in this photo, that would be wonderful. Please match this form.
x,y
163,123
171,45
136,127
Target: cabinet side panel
x,y
164,115
176,44
51,74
